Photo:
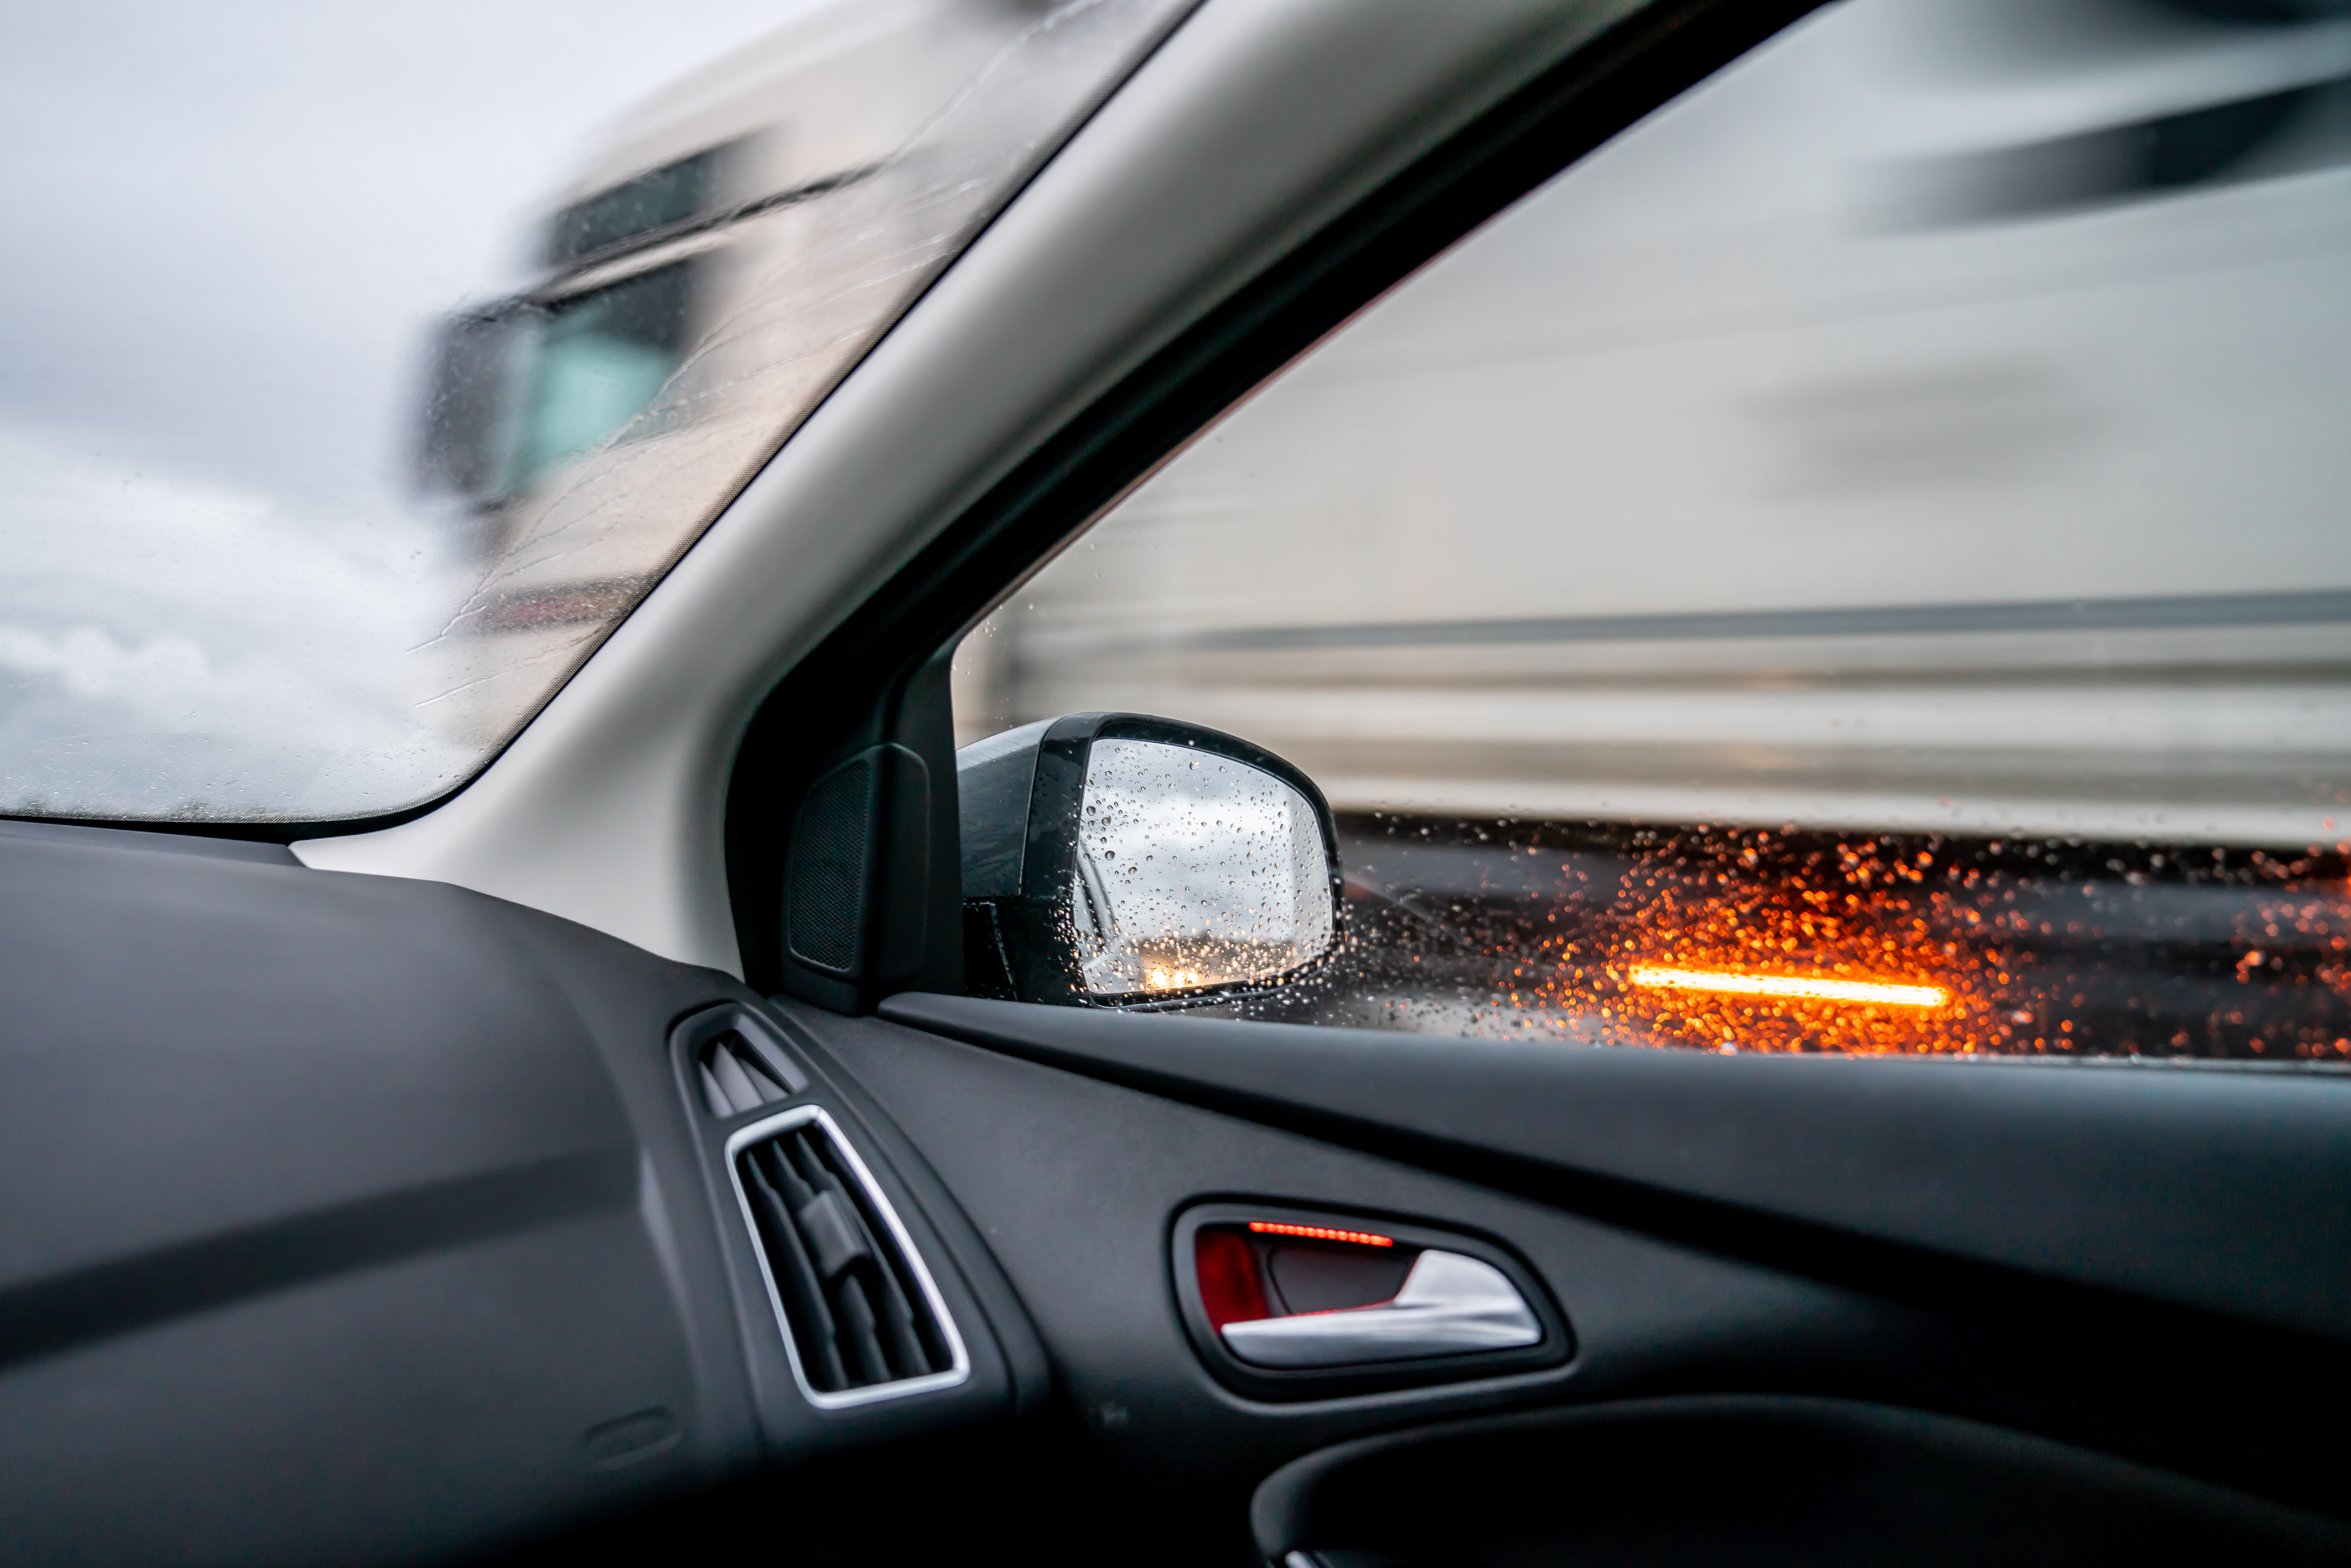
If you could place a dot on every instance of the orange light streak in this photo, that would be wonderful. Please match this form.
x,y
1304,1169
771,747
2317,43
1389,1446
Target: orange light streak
x,y
1810,990
1363,1237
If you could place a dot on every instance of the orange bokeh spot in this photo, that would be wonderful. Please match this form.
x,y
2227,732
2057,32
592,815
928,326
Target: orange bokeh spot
x,y
1810,988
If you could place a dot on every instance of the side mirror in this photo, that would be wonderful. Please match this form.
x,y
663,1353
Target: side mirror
x,y
1110,859
473,403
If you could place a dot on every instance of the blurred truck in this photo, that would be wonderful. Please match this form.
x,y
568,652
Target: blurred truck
x,y
1938,423
726,255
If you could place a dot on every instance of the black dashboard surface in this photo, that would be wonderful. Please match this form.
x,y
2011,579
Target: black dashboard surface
x,y
335,1230
2145,1262
356,1218
361,1219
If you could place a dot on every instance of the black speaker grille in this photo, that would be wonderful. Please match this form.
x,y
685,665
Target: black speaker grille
x,y
824,907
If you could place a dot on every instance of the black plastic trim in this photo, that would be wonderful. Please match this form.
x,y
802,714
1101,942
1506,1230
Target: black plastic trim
x,y
1757,1479
697,1030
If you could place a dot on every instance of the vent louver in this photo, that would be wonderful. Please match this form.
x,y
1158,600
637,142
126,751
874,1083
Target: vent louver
x,y
859,1311
736,1077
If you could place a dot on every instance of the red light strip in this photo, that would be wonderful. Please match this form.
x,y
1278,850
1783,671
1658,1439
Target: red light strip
x,y
1361,1238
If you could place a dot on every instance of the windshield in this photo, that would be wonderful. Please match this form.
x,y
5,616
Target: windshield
x,y
363,368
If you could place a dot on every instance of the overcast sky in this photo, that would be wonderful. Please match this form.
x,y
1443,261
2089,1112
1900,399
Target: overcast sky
x,y
228,232
229,225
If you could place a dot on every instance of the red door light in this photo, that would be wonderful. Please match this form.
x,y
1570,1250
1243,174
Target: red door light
x,y
1321,1233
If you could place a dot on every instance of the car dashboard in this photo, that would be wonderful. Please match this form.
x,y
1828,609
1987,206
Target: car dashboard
x,y
371,1220
361,1218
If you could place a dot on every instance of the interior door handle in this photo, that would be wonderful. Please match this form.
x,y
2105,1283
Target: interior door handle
x,y
1449,1306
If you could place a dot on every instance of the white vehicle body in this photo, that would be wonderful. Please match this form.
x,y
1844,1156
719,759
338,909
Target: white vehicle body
x,y
1734,477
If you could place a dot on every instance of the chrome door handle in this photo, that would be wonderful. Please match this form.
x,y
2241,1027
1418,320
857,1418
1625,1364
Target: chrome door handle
x,y
1449,1306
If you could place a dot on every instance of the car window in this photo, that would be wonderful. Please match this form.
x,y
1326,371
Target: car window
x,y
1858,563
366,364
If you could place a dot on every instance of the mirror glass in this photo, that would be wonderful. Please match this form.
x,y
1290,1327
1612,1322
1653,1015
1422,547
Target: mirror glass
x,y
1194,870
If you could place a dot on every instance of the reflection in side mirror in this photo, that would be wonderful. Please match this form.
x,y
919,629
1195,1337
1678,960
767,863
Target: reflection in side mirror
x,y
1110,858
1195,869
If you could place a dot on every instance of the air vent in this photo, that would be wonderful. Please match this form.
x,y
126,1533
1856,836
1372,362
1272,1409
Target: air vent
x,y
737,1077
860,1314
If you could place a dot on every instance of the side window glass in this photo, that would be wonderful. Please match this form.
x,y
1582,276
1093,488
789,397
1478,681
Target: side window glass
x,y
1860,563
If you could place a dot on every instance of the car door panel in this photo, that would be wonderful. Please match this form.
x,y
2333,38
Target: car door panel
x,y
1075,1183
1681,1266
2220,1192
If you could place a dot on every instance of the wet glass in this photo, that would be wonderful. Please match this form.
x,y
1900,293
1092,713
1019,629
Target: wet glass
x,y
1856,564
295,532
1194,871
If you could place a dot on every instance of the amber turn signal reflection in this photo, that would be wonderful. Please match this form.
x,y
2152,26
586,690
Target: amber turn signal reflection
x,y
1798,986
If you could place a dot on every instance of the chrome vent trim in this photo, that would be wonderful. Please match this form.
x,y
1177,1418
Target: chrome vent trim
x,y
876,1207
